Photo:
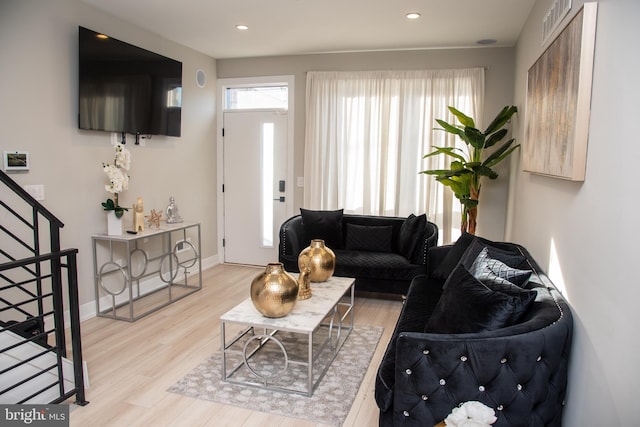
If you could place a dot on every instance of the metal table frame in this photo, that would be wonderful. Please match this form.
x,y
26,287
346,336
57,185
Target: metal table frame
x,y
337,319
118,260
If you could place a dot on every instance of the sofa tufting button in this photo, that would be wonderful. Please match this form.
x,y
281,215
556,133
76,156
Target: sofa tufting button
x,y
539,358
425,352
503,360
500,407
442,382
519,387
408,371
405,413
481,388
463,358
425,397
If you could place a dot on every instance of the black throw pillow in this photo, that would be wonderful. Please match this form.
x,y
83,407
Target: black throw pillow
x,y
444,269
468,306
523,297
411,233
325,225
368,238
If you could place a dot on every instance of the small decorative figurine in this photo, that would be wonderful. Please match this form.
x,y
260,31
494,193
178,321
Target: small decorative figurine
x,y
171,212
304,288
154,218
138,216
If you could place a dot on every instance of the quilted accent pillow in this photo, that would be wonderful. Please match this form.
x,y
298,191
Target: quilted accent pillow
x,y
467,305
325,225
508,257
485,267
368,238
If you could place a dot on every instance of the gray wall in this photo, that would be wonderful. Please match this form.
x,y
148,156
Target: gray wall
x,y
586,233
38,113
499,64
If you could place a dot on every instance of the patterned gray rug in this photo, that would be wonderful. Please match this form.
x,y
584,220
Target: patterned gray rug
x,y
331,401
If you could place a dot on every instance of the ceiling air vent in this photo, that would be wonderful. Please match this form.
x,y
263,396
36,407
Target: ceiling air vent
x,y
553,17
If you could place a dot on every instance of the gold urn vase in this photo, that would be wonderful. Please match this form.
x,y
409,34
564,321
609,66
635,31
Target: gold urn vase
x,y
274,292
319,260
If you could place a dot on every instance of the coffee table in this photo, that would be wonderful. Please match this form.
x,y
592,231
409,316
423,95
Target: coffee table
x,y
305,341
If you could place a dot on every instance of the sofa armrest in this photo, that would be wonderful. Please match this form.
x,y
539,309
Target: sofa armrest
x,y
429,240
523,377
290,243
435,256
291,236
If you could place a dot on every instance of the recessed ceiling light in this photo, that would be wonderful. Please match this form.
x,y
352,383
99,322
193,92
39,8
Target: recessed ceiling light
x,y
242,27
487,41
102,36
413,15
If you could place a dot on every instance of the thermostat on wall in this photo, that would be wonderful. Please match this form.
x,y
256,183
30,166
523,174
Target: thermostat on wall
x,y
16,161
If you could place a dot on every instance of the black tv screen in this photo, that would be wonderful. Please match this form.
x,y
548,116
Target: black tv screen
x,y
124,88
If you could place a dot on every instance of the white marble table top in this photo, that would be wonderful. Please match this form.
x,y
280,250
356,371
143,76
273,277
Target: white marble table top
x,y
306,314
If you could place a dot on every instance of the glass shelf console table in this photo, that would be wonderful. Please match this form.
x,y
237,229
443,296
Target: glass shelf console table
x,y
138,274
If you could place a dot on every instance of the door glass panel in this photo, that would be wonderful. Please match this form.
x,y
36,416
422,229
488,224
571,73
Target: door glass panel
x,y
242,98
267,185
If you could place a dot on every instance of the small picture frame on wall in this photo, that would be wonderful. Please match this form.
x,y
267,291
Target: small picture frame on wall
x,y
558,101
15,161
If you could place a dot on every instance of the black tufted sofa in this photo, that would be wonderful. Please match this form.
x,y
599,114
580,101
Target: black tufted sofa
x,y
520,370
376,270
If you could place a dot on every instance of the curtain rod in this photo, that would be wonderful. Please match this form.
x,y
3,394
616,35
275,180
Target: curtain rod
x,y
485,67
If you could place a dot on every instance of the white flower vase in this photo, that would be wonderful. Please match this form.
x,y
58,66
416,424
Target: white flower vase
x,y
114,224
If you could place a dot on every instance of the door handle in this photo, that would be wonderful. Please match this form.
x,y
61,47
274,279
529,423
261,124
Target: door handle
x,y
280,199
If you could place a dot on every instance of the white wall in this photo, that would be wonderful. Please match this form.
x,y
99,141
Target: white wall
x,y
591,227
499,64
38,113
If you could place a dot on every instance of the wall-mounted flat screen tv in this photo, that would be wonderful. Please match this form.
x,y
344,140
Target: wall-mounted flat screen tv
x,y
124,88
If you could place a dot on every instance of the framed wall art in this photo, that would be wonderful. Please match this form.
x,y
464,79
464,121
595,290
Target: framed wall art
x,y
558,101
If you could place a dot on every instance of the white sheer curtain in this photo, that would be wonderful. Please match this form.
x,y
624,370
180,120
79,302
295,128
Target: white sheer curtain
x,y
366,134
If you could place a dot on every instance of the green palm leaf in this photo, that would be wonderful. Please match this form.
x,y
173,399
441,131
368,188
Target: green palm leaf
x,y
466,169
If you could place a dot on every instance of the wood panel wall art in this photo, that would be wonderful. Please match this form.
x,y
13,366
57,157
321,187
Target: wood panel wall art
x,y
558,101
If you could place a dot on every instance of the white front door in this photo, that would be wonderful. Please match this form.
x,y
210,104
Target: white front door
x,y
255,187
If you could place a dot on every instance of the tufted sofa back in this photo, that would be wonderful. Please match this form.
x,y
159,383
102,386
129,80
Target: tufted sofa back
x,y
520,370
524,376
292,236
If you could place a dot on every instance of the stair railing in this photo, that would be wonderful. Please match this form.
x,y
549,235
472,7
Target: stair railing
x,y
32,288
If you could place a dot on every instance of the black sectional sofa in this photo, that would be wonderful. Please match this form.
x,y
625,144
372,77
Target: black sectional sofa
x,y
382,253
465,335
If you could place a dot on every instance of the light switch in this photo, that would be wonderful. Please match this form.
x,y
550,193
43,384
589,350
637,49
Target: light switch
x,y
300,181
36,191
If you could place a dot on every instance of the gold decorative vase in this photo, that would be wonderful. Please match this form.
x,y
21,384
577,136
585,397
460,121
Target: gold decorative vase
x,y
274,292
319,260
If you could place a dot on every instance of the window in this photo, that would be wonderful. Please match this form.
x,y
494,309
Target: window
x,y
367,133
244,98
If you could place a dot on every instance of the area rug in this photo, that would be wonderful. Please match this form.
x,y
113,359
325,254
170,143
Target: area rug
x,y
330,403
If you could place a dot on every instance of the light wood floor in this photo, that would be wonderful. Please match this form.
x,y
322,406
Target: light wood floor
x,y
131,365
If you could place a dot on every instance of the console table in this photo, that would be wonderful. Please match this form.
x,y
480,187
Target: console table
x,y
138,274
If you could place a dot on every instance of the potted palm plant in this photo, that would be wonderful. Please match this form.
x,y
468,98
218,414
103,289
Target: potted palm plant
x,y
468,167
